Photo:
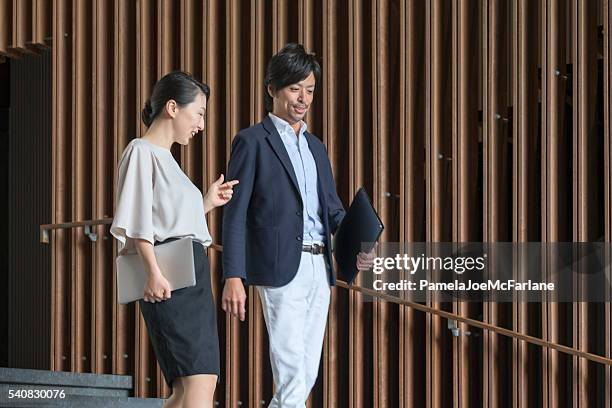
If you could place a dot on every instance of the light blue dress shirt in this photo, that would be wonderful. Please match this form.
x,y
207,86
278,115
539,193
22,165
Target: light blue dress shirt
x,y
305,170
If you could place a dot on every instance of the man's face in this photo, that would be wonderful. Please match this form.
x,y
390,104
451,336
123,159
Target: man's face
x,y
292,102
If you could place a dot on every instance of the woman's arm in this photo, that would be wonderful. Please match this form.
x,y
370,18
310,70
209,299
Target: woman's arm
x,y
157,287
218,194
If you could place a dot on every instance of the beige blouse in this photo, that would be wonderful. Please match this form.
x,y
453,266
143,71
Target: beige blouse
x,y
155,199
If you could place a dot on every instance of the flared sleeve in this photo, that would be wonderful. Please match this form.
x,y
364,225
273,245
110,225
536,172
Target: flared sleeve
x,y
134,204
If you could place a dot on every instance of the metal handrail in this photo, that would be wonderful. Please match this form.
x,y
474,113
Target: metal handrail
x,y
472,322
477,323
370,292
45,228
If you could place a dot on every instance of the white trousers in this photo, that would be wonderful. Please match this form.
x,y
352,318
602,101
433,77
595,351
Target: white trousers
x,y
296,317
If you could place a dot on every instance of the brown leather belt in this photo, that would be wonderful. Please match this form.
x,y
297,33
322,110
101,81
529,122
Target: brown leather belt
x,y
315,249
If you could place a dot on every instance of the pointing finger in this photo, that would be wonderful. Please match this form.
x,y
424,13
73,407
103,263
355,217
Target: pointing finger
x,y
229,184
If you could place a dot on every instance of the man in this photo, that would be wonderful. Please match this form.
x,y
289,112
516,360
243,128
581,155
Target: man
x,y
277,228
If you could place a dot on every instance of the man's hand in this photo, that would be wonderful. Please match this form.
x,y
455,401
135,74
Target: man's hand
x,y
233,300
366,261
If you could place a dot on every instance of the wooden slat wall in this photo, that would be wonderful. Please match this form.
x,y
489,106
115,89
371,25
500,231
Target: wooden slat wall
x,y
465,120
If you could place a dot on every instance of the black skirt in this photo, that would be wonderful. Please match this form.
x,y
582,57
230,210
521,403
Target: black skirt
x,y
183,329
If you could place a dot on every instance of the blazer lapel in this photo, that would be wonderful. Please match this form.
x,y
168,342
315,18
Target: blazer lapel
x,y
279,149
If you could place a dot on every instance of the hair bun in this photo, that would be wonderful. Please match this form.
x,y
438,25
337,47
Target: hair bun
x,y
147,114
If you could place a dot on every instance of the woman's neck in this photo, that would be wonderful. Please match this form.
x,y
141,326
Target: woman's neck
x,y
159,134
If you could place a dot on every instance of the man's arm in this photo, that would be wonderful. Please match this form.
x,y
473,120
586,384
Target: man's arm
x,y
241,167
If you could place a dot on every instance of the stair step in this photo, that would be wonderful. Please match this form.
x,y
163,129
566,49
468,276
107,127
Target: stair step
x,y
87,401
121,384
79,389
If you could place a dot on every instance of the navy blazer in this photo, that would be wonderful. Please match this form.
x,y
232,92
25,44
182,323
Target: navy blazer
x,y
262,223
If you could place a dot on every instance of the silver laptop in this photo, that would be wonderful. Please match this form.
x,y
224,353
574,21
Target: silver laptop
x,y
175,260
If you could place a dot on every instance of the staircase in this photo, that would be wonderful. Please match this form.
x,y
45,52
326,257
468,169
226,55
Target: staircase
x,y
79,390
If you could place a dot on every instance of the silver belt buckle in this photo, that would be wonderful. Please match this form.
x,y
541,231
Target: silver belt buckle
x,y
316,249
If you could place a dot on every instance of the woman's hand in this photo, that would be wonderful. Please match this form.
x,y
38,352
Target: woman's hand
x,y
157,288
219,193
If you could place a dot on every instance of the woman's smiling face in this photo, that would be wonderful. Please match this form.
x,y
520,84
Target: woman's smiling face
x,y
189,120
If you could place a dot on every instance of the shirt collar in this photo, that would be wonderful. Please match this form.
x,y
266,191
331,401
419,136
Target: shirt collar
x,y
283,126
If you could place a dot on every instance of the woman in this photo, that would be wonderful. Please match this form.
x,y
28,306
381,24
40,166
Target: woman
x,y
157,203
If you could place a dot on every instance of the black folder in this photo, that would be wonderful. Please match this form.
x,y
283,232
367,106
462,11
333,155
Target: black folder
x,y
360,226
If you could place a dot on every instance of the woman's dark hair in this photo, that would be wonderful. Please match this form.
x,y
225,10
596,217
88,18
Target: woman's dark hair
x,y
291,65
179,86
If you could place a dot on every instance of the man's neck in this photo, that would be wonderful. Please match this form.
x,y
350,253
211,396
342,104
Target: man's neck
x,y
296,126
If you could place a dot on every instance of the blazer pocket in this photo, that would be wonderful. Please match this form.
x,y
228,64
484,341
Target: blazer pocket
x,y
262,250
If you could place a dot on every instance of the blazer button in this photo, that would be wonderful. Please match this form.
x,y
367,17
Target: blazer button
x,y
298,213
298,238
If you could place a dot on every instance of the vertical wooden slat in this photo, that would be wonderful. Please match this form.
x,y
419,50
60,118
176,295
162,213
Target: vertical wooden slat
x,y
214,154
431,169
41,22
359,340
22,25
235,338
485,113
165,40
258,57
525,202
147,65
167,51
607,93
126,122
386,179
555,179
102,179
96,280
310,35
496,193
587,219
6,25
336,137
438,192
466,208
187,37
60,343
279,24
259,379
81,188
412,191
380,309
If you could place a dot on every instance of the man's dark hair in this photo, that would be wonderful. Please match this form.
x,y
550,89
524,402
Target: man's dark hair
x,y
179,86
289,66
